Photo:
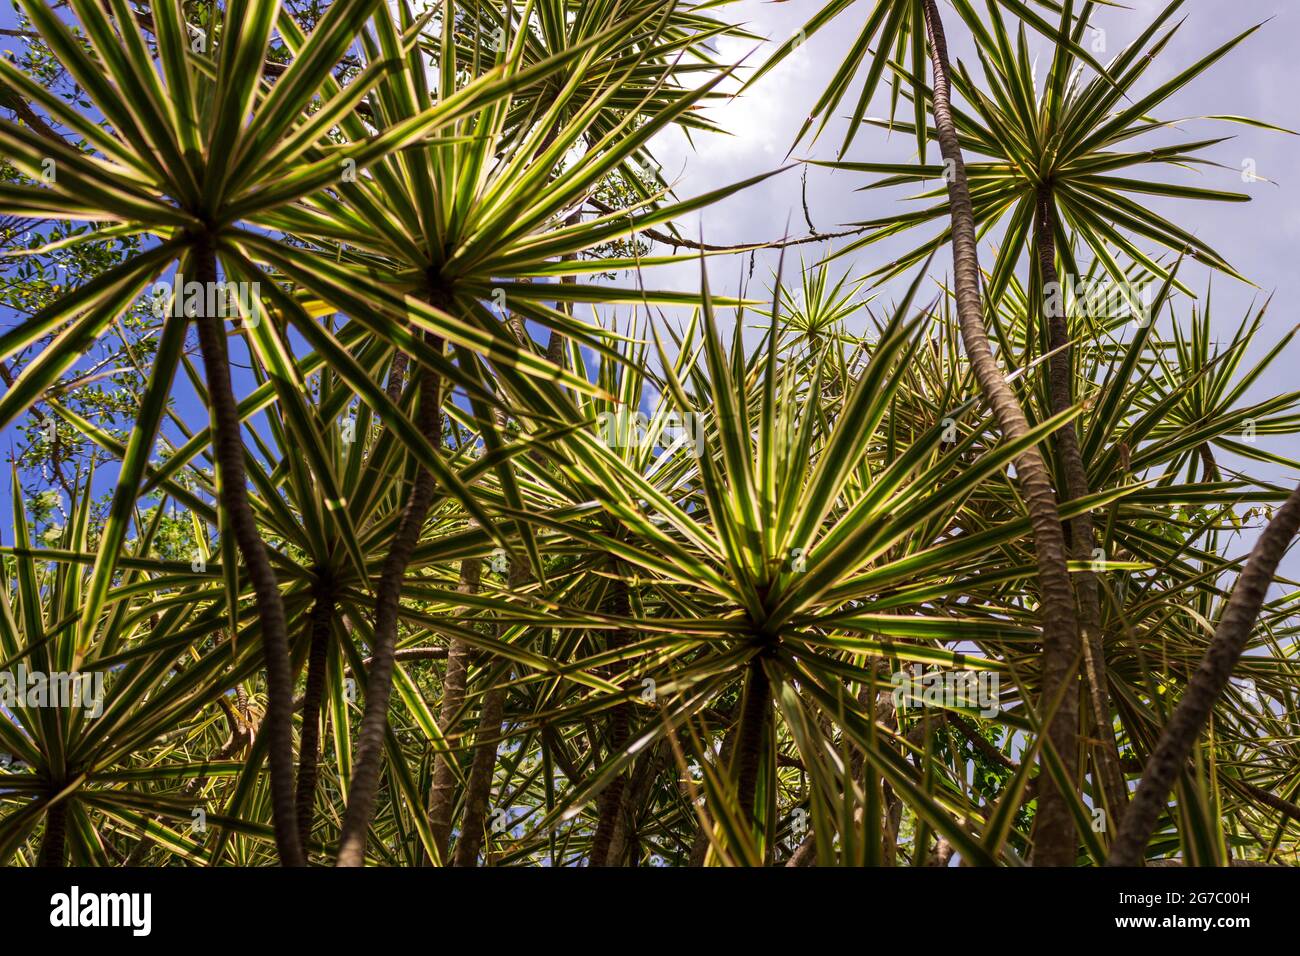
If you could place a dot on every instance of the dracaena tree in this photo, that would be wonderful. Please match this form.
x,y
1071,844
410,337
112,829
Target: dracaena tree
x,y
912,29
198,147
550,578
773,555
437,233
1055,179
98,755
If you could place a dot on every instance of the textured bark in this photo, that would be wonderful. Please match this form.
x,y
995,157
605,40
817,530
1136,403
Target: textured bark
x,y
56,836
1083,537
942,855
1209,467
610,802
805,853
397,376
1270,800
1054,836
379,681
753,732
557,344
478,786
320,623
229,448
442,793
624,847
1206,686
11,99
887,715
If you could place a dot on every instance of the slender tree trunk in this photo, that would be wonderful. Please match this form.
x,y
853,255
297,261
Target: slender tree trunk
x,y
56,836
478,788
321,623
388,596
1054,837
442,793
610,802
942,854
805,854
229,447
397,376
887,715
1083,538
645,773
557,344
753,731
1209,467
1206,685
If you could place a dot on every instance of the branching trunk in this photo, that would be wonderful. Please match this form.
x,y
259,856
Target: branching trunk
x,y
442,793
1083,538
1054,838
321,623
229,448
1206,685
379,682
